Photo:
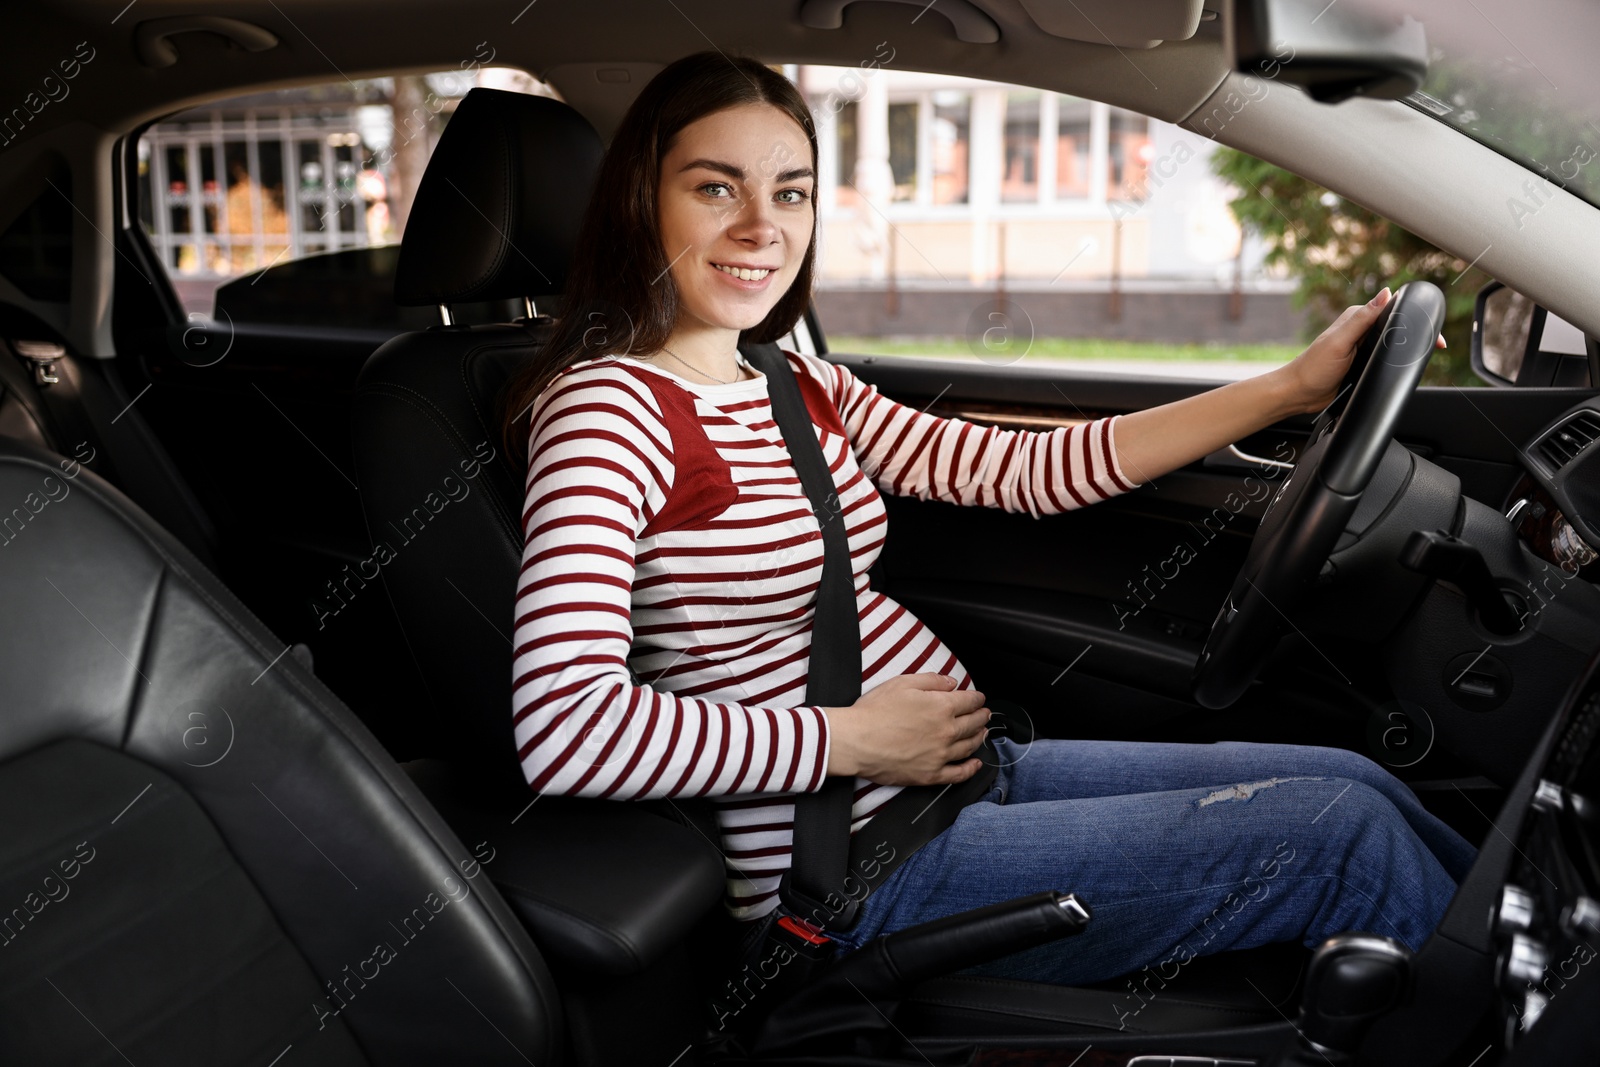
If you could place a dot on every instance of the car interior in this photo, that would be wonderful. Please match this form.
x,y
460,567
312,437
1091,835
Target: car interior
x,y
205,650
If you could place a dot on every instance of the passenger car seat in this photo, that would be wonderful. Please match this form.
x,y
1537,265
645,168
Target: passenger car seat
x,y
208,859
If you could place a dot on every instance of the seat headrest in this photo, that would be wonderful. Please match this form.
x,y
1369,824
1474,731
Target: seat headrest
x,y
497,212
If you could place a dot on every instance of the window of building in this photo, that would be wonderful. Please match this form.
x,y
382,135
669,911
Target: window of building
x,y
1074,147
849,146
951,149
1019,182
1127,155
903,149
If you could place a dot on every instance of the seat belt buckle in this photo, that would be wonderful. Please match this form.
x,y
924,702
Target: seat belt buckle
x,y
802,935
795,949
778,960
796,945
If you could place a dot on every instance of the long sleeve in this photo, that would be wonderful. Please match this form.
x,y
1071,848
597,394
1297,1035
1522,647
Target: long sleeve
x,y
600,466
910,453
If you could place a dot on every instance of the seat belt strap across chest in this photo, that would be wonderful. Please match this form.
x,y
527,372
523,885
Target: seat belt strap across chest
x,y
819,856
830,870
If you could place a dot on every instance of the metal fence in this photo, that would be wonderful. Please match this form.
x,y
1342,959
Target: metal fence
x,y
230,191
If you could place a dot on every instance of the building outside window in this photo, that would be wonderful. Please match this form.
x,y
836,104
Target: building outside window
x,y
996,181
1050,145
241,189
265,178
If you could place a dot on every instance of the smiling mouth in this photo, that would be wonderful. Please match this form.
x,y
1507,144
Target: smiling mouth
x,y
744,274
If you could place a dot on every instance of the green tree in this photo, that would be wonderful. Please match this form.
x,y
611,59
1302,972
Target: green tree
x,y
1340,254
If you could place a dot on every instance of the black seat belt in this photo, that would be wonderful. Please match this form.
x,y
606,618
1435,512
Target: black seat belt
x,y
830,871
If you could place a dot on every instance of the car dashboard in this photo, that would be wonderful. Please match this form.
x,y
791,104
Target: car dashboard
x,y
1555,505
1546,921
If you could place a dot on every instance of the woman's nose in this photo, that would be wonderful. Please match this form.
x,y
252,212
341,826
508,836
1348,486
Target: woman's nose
x,y
754,221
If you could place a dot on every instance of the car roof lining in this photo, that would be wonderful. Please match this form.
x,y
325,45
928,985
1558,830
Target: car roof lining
x,y
323,41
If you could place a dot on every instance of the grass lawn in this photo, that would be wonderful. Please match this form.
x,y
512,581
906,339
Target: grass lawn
x,y
1068,348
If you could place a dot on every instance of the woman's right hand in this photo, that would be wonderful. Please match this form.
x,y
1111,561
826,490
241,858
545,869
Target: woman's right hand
x,y
907,730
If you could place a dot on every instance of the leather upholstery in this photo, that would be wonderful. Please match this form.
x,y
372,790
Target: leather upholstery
x,y
105,856
89,415
607,888
1242,988
480,227
119,639
425,422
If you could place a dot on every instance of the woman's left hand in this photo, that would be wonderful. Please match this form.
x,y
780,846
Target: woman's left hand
x,y
1313,377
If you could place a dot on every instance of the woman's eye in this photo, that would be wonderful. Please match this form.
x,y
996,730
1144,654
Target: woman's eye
x,y
709,188
800,196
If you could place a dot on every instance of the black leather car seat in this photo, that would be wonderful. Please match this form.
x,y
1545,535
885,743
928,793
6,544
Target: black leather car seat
x,y
80,408
495,217
207,858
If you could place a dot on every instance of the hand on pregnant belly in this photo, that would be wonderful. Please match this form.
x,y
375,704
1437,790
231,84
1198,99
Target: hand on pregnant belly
x,y
908,730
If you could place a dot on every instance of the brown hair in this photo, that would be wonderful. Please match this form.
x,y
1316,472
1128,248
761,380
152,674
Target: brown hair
x,y
620,295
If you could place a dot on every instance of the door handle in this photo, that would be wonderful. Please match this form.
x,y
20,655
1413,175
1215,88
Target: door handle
x,y
150,37
1258,460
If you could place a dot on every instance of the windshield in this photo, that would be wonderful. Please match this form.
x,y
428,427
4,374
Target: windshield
x,y
1513,82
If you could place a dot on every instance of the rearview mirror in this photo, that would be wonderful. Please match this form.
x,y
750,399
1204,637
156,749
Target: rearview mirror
x,y
1517,342
1333,52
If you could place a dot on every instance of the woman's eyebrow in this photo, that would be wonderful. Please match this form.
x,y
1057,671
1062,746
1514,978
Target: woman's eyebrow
x,y
729,169
737,172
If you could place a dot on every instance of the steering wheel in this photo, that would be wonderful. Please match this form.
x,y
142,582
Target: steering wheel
x,y
1305,516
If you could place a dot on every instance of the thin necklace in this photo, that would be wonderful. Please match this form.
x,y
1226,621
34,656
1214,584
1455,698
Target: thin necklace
x,y
692,367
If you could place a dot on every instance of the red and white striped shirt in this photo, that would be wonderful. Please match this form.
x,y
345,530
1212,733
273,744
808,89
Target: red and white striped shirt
x,y
665,516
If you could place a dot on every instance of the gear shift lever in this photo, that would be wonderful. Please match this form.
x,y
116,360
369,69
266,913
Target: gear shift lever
x,y
1352,980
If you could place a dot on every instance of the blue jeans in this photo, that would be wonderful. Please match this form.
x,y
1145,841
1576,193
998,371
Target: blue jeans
x,y
1181,850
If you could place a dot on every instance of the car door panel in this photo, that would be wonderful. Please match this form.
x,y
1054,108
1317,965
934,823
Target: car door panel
x,y
254,407
1024,597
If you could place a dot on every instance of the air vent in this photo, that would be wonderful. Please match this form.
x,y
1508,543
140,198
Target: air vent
x,y
1562,445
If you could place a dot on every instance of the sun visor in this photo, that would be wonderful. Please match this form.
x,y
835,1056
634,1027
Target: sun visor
x,y
1117,22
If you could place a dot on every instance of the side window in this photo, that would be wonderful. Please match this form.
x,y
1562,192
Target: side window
x,y
970,218
977,219
802,339
253,183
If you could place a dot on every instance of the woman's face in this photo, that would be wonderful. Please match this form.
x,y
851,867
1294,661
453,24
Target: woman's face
x,y
736,194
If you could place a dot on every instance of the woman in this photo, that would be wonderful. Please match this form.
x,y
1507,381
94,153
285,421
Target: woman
x,y
666,530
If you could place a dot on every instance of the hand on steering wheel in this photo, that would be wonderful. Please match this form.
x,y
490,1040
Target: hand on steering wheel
x,y
1314,503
